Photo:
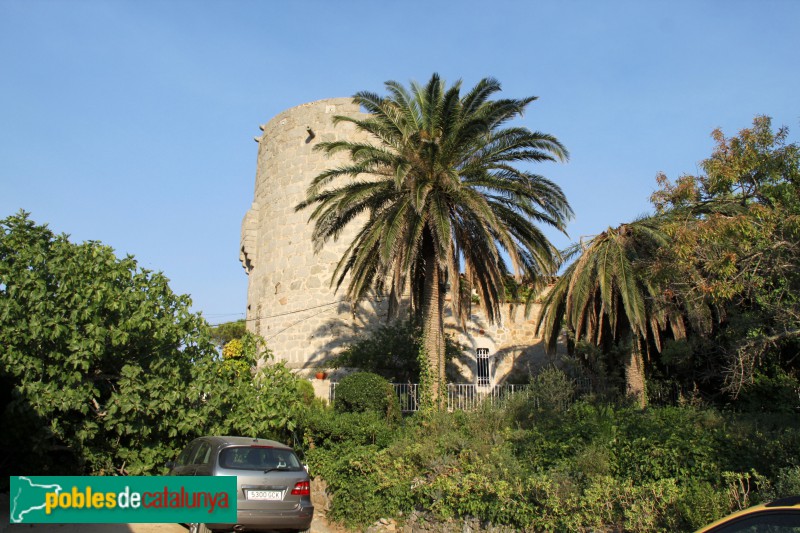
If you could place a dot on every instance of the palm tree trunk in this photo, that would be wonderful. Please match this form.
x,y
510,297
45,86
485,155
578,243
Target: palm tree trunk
x,y
433,327
634,374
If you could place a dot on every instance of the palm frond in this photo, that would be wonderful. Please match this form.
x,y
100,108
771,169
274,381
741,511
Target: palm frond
x,y
438,173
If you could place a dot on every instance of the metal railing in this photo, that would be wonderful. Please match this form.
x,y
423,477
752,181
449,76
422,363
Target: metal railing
x,y
460,396
408,395
468,396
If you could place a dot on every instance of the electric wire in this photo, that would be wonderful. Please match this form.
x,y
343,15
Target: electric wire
x,y
287,313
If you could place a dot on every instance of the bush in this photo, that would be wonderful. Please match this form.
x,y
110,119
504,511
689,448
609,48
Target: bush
x,y
365,391
765,442
324,427
770,393
233,349
368,483
306,392
786,484
670,442
522,467
553,389
392,351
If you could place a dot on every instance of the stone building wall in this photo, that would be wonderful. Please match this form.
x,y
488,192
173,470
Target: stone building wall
x,y
514,348
290,301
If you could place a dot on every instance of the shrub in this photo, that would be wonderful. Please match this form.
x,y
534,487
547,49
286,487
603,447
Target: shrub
x,y
553,389
324,427
787,483
233,349
368,483
391,350
765,442
589,468
700,503
771,393
669,442
365,391
306,392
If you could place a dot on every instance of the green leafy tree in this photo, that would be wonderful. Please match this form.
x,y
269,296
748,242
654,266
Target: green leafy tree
x,y
224,333
440,191
255,396
734,246
717,265
93,353
104,370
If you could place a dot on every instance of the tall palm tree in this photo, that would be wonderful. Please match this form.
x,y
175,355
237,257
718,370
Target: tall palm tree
x,y
606,296
442,199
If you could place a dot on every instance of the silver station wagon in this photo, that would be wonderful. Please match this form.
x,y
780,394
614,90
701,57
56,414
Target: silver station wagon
x,y
273,487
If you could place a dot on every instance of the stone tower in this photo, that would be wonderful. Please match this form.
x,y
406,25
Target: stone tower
x,y
290,301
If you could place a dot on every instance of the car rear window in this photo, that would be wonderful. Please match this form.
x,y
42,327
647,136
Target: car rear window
x,y
258,458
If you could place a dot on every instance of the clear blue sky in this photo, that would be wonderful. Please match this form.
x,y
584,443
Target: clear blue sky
x,y
132,122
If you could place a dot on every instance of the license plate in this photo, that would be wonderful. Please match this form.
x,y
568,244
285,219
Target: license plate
x,y
264,494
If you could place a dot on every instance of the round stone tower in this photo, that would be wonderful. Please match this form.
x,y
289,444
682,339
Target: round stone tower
x,y
290,301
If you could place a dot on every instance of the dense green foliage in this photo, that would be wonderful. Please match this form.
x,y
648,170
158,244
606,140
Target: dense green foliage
x,y
443,199
263,402
104,370
705,294
306,391
586,468
93,350
392,351
733,263
605,299
226,332
365,391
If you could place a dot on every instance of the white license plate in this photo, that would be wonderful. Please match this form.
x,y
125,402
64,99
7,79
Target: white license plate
x,y
264,494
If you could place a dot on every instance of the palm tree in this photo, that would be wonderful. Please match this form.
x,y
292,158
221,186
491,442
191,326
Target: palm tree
x,y
443,203
606,296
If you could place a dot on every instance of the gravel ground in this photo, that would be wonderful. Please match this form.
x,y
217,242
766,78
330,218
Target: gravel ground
x,y
319,525
90,528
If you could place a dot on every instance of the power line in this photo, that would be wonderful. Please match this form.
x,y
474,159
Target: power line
x,y
288,312
290,326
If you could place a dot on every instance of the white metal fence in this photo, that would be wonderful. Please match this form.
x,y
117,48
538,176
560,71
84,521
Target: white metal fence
x,y
468,396
460,396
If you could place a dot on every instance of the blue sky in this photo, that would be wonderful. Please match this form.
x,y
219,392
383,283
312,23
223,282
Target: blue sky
x,y
132,122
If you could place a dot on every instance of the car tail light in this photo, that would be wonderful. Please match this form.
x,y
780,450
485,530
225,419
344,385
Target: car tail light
x,y
302,488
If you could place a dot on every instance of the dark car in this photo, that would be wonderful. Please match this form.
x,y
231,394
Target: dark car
x,y
780,516
273,488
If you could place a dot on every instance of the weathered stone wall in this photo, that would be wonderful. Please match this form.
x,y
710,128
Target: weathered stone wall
x,y
290,300
512,343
